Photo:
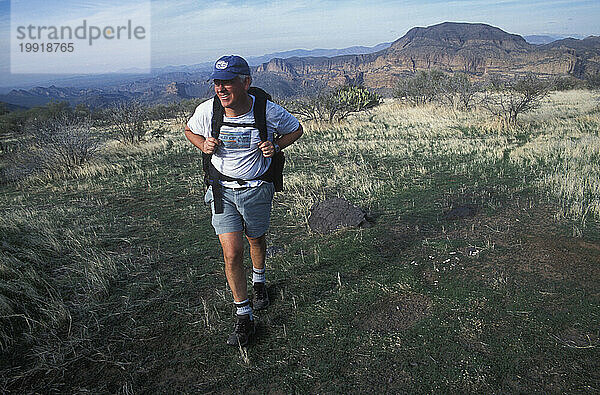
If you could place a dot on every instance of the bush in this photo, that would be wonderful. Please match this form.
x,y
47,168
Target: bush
x,y
458,91
335,104
455,90
128,121
422,88
181,110
566,83
593,81
506,99
12,122
52,145
82,111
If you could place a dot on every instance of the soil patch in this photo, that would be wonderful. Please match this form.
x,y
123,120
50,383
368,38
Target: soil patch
x,y
396,313
395,239
527,239
463,211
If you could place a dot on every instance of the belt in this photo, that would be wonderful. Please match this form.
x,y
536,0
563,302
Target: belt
x,y
237,189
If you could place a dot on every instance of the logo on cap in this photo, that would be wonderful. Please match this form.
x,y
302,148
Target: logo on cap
x,y
221,65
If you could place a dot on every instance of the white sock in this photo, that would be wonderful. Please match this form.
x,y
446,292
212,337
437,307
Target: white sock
x,y
258,275
243,308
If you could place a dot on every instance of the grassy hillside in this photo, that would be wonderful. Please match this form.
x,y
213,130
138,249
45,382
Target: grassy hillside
x,y
111,278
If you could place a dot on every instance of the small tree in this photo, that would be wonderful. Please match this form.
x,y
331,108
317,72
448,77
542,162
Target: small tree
x,y
593,81
129,121
565,83
348,99
506,99
334,104
183,110
63,143
3,109
458,91
82,111
307,107
58,109
423,87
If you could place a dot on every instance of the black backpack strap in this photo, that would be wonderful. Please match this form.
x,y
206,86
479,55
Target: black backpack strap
x,y
260,110
211,174
217,117
239,125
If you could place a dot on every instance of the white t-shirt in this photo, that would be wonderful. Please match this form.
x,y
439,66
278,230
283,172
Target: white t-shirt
x,y
239,155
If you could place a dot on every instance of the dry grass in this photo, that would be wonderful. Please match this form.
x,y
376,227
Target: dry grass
x,y
555,149
66,237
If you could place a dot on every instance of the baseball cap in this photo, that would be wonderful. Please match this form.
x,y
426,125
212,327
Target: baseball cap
x,y
228,67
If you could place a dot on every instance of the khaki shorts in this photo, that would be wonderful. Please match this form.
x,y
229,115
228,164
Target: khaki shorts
x,y
247,209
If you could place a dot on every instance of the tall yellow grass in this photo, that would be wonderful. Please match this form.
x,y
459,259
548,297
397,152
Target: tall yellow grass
x,y
556,147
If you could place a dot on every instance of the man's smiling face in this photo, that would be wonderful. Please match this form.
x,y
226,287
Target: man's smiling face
x,y
233,94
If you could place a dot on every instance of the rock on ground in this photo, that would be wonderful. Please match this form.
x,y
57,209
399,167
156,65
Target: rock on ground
x,y
333,214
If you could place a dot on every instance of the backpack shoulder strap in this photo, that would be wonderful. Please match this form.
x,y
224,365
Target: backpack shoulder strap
x,y
217,117
260,110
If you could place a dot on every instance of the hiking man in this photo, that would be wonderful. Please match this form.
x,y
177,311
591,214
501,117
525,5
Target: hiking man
x,y
241,190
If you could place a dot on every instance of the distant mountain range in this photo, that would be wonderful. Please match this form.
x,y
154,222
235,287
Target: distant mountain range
x,y
476,49
164,85
541,39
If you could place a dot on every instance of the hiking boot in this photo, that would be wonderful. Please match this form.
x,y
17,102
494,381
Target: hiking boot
x,y
260,299
242,332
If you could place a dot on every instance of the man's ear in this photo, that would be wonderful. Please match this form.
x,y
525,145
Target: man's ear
x,y
247,83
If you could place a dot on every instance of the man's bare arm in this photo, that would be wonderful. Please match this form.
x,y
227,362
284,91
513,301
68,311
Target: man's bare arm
x,y
208,146
288,139
268,149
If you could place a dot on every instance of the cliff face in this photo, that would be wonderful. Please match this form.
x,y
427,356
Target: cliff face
x,y
477,49
176,89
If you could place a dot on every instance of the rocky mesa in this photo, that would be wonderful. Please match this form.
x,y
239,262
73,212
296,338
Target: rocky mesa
x,y
474,48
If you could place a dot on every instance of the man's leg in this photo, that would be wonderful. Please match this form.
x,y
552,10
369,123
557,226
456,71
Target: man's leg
x,y
258,250
233,254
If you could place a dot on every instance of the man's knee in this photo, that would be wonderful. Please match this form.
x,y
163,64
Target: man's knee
x,y
233,247
233,255
257,242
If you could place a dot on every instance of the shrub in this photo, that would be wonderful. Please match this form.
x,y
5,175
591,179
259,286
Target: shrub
x,y
424,87
566,83
593,81
52,145
455,90
506,99
12,122
182,111
348,99
82,111
335,104
309,107
458,91
128,121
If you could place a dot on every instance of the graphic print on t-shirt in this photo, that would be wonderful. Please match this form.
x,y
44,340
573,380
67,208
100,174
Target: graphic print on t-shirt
x,y
235,138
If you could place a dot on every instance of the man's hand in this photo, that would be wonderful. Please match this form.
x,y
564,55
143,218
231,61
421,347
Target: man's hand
x,y
210,145
267,148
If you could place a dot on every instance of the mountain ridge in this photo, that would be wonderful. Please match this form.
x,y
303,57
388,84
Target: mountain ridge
x,y
473,48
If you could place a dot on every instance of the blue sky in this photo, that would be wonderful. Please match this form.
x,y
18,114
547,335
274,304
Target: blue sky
x,y
205,29
195,31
